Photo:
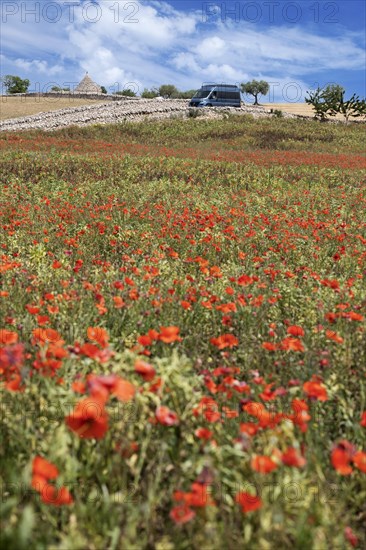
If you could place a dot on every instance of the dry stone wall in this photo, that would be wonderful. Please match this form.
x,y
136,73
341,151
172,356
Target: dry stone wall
x,y
120,111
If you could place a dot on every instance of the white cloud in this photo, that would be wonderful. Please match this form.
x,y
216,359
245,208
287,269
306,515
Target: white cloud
x,y
167,45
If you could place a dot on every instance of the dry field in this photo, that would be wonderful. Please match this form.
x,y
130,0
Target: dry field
x,y
13,107
294,108
302,109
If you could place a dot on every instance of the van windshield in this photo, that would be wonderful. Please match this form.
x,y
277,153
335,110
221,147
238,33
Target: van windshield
x,y
200,94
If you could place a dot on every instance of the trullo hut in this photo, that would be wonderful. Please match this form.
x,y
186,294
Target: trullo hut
x,y
87,86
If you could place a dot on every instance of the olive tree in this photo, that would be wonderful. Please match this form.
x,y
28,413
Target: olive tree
x,y
15,84
255,88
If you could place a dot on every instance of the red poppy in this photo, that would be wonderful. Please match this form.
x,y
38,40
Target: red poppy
x,y
363,419
203,433
7,337
350,536
331,335
301,415
57,496
99,335
269,346
225,341
341,457
263,464
145,370
89,419
249,428
169,335
315,390
292,344
41,467
123,390
182,514
248,502
44,335
295,330
166,417
291,457
359,460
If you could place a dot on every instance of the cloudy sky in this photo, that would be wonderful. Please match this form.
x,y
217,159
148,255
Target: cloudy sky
x,y
293,45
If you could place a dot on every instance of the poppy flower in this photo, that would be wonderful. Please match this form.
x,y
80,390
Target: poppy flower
x,y
57,496
363,420
203,433
301,415
169,335
291,457
225,341
263,464
42,472
315,390
341,457
269,346
295,330
332,335
248,502
359,460
42,468
145,370
350,536
123,390
88,419
182,514
99,335
44,335
7,337
292,344
166,417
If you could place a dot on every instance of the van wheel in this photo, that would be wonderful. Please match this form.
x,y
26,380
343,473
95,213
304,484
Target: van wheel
x,y
209,105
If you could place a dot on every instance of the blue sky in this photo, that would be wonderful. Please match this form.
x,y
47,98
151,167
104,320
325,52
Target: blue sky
x,y
293,45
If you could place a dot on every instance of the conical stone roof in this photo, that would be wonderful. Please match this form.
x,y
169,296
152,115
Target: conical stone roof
x,y
88,86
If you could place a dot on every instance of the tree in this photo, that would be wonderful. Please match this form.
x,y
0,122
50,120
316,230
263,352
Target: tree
x,y
127,93
58,89
15,84
254,88
186,95
104,90
168,90
149,94
330,101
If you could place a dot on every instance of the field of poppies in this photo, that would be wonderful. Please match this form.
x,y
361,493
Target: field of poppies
x,y
182,336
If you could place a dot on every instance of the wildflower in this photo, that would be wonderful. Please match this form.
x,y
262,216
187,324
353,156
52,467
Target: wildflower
x,y
263,464
363,419
225,341
295,330
166,417
182,514
341,457
315,390
248,502
203,433
292,344
7,337
169,335
99,335
145,370
89,419
359,460
291,457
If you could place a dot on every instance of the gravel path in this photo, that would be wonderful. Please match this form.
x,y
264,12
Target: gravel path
x,y
119,111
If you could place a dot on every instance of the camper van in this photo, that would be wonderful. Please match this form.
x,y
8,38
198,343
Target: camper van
x,y
216,95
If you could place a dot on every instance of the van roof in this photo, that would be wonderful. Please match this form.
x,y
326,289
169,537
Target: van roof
x,y
211,84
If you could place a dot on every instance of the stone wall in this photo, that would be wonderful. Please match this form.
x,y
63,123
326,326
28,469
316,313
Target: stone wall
x,y
86,95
